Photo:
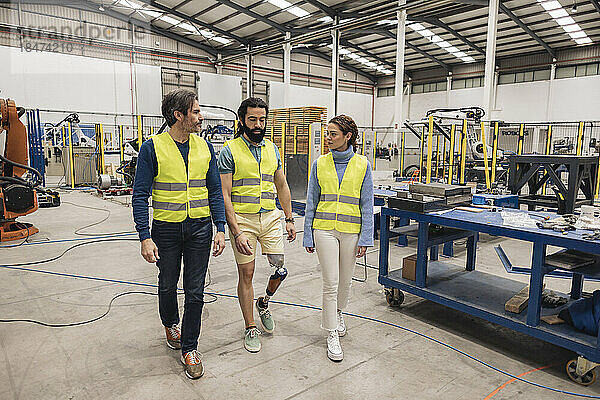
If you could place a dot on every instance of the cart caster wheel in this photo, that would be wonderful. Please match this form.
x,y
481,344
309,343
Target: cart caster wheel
x,y
394,297
584,380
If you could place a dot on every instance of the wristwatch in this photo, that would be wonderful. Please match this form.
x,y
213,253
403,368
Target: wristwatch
x,y
290,220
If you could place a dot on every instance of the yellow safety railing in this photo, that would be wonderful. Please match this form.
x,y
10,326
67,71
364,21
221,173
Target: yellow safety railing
x,y
71,161
402,144
463,152
429,149
451,154
486,166
494,151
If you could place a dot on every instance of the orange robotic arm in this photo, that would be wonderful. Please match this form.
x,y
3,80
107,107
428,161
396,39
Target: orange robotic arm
x,y
17,195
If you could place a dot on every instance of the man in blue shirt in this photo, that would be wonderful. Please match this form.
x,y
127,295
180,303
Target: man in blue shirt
x,y
252,178
179,170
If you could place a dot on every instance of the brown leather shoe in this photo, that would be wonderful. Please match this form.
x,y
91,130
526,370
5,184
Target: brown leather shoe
x,y
173,337
193,364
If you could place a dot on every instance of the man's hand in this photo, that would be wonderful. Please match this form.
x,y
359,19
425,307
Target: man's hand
x,y
242,243
219,244
149,251
362,250
291,231
310,249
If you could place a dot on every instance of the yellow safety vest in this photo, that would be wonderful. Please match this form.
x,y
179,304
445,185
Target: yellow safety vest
x,y
177,193
253,185
339,204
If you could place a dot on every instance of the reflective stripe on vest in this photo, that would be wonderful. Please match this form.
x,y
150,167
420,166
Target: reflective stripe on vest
x,y
253,185
176,192
339,203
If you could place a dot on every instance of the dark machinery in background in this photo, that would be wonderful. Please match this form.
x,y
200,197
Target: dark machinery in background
x,y
474,154
18,181
217,134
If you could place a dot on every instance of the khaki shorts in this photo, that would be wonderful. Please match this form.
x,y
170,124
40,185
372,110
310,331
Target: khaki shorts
x,y
265,228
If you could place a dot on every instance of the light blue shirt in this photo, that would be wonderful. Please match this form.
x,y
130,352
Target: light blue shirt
x,y
226,162
340,160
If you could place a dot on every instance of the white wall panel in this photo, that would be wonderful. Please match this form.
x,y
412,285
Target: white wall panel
x,y
220,90
65,82
357,105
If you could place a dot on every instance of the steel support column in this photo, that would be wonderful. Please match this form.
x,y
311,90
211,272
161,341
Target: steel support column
x,y
490,58
335,66
399,81
249,74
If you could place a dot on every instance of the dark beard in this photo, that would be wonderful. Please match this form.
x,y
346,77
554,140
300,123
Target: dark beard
x,y
255,135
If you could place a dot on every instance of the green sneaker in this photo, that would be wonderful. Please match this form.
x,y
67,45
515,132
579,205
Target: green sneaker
x,y
265,316
251,340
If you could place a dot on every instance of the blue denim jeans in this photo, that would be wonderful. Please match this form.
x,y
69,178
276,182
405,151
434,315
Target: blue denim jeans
x,y
190,239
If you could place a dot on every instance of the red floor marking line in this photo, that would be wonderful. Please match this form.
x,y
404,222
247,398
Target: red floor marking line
x,y
499,388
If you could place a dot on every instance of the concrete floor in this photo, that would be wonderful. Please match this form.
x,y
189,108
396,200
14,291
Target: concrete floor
x,y
124,355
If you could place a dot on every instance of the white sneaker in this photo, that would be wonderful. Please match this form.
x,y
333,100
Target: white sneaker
x,y
334,349
341,324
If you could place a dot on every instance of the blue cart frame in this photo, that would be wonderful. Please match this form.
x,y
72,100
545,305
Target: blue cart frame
x,y
481,294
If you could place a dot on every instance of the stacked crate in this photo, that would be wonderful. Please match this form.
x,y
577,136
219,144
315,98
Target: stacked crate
x,y
296,117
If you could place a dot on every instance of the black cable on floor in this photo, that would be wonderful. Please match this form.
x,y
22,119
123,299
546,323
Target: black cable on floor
x,y
77,231
89,321
67,250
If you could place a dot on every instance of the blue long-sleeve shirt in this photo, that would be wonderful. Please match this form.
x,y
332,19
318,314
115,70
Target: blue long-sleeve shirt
x,y
340,160
146,171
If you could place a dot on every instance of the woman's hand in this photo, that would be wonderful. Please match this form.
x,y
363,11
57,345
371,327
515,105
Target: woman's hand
x,y
361,251
310,249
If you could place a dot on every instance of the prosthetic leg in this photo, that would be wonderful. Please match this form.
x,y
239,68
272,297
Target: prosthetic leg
x,y
262,303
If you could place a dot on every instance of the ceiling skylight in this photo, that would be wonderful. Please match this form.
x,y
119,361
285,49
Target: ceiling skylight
x,y
289,7
362,60
562,18
433,38
186,26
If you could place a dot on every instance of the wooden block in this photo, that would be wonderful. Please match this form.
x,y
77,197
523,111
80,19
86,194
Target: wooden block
x,y
409,265
518,302
552,319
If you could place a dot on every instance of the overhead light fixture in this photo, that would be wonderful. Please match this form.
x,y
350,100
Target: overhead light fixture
x,y
571,28
325,19
169,20
468,59
559,13
416,27
289,7
131,4
562,18
578,35
436,39
551,5
565,21
150,13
